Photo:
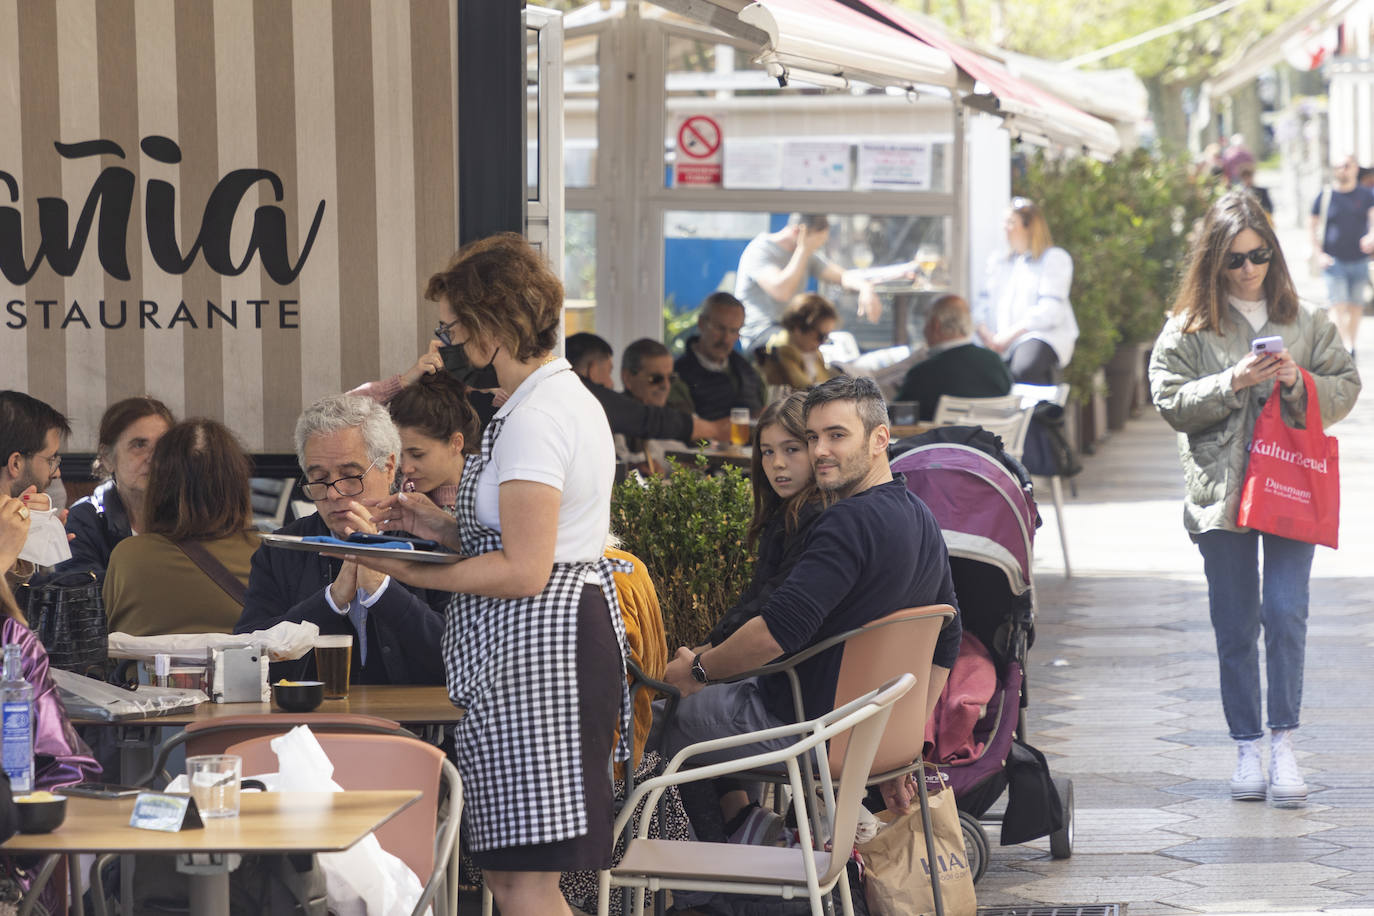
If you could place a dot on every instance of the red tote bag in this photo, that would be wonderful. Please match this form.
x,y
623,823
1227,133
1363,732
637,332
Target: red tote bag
x,y
1293,485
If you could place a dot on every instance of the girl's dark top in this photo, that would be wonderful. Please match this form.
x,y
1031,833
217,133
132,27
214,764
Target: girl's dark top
x,y
779,549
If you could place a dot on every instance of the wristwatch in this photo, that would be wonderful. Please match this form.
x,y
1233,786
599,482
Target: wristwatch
x,y
698,672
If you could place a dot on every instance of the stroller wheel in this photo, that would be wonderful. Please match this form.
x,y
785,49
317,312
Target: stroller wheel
x,y
976,847
1061,841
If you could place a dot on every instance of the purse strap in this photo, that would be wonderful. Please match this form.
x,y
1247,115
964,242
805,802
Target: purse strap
x,y
217,571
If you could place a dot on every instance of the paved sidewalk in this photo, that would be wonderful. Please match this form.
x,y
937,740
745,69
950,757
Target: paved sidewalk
x,y
1124,700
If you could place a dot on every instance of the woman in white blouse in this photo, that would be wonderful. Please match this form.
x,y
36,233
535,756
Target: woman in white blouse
x,y
533,642
1023,311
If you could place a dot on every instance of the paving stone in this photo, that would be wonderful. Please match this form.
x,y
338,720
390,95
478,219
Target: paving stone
x,y
1227,850
1222,817
1359,859
1105,888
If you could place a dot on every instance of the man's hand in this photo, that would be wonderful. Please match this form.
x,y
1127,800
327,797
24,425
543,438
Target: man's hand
x,y
810,241
360,518
679,672
899,793
1367,243
716,430
870,306
429,363
344,588
1325,260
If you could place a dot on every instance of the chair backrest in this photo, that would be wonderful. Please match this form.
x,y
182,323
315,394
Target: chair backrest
x,y
376,762
952,410
213,736
271,498
903,642
861,742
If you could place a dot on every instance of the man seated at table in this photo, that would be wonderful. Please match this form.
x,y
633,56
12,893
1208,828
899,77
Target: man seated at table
x,y
712,376
31,435
646,371
955,365
875,551
590,356
348,449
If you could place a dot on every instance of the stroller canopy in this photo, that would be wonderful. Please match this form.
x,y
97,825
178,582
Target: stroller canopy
x,y
983,511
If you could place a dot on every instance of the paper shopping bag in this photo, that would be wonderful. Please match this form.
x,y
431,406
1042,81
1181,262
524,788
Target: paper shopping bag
x,y
897,867
1292,486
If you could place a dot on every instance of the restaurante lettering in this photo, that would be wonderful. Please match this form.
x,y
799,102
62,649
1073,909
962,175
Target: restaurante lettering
x,y
62,243
50,314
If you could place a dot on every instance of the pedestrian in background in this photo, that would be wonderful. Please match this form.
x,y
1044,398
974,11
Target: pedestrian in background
x,y
1342,228
1210,387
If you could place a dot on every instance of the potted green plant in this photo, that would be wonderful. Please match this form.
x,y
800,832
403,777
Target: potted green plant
x,y
690,529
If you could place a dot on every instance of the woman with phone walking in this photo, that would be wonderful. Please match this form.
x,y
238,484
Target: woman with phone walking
x,y
1210,384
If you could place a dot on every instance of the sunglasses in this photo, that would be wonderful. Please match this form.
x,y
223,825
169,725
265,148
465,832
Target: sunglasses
x,y
658,378
1236,259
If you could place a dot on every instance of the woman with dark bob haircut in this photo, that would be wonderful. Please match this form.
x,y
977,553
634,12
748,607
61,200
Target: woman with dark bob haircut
x,y
438,430
129,431
187,572
1210,386
534,644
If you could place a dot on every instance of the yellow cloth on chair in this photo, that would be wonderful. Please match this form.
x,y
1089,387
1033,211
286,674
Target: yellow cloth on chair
x,y
644,637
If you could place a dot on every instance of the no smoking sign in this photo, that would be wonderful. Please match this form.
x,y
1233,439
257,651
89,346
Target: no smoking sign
x,y
699,140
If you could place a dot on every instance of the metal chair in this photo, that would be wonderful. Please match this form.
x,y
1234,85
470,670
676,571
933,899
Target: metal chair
x,y
1031,395
1005,417
651,865
418,835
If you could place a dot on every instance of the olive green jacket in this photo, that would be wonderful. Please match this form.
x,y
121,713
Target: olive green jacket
x,y
1190,383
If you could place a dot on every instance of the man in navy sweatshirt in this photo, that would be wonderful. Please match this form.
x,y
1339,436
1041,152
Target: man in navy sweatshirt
x,y
876,550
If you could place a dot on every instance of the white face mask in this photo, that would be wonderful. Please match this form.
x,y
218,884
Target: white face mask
x,y
47,542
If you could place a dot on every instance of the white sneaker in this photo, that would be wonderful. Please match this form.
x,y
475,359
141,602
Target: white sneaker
x,y
1247,782
1286,786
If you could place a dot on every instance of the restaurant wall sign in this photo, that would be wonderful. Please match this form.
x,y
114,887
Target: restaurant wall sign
x,y
64,234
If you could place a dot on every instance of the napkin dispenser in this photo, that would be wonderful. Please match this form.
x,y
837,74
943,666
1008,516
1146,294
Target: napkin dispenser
x,y
238,674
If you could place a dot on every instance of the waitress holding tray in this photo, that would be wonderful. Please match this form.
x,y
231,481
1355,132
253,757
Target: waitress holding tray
x,y
533,643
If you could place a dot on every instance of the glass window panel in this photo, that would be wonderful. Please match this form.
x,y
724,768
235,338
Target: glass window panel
x,y
702,251
579,270
581,76
532,114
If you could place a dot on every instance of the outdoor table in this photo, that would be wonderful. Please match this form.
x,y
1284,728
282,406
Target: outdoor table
x,y
268,822
425,709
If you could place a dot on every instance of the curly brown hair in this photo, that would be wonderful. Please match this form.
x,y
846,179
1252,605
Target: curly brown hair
x,y
1202,295
502,291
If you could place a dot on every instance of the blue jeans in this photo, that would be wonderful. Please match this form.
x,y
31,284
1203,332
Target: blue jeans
x,y
1239,608
1347,281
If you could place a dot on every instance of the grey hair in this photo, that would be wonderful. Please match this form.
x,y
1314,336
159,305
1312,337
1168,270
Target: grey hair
x,y
950,316
863,391
349,411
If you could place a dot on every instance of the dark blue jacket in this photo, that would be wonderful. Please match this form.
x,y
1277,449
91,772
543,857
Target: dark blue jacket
x,y
714,393
868,555
99,522
403,627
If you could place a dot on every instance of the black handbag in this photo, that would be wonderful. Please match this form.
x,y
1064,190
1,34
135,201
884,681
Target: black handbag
x,y
67,613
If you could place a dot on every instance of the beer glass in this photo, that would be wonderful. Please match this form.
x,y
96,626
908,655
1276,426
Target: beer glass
x,y
739,426
333,657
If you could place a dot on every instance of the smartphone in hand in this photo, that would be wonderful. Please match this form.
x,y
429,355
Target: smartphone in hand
x,y
1266,346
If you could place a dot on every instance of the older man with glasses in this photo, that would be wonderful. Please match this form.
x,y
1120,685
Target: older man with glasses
x,y
348,449
713,376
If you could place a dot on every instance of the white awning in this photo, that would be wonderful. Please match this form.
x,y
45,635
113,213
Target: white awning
x,y
826,38
1249,62
1117,95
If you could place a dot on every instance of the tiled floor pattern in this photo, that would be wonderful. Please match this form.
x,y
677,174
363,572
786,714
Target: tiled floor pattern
x,y
1124,700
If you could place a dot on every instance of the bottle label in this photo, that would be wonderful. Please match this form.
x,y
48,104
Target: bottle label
x,y
16,733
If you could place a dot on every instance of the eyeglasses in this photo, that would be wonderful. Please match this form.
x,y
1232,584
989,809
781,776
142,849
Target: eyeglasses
x,y
352,485
442,332
52,460
725,329
658,378
1236,259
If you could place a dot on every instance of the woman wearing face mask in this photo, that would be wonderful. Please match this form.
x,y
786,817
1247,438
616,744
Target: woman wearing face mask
x,y
1210,387
438,430
1023,311
129,431
484,393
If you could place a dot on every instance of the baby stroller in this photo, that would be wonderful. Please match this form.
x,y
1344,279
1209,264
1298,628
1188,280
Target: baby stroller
x,y
983,500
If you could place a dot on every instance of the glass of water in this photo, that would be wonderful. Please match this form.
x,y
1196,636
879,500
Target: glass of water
x,y
214,782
